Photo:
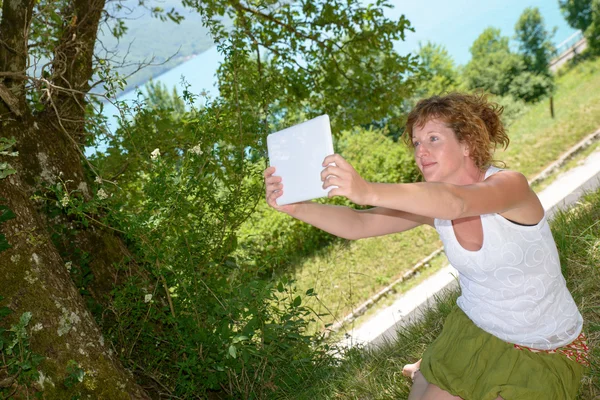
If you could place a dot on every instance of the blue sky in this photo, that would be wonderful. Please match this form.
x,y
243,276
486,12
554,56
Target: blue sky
x,y
457,23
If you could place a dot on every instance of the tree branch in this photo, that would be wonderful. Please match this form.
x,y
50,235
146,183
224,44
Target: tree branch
x,y
11,101
72,66
14,33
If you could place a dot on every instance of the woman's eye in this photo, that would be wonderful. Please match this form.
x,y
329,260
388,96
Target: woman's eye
x,y
415,144
433,138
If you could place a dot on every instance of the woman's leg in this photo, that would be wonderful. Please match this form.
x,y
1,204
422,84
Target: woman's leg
x,y
419,386
435,393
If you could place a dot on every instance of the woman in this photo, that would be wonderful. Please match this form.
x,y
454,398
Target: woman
x,y
516,333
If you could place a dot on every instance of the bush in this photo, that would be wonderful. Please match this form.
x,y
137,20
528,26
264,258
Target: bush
x,y
530,87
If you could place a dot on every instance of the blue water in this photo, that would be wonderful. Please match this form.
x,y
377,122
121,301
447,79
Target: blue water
x,y
454,24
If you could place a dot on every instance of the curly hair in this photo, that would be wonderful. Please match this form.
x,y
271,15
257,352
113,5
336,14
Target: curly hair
x,y
473,119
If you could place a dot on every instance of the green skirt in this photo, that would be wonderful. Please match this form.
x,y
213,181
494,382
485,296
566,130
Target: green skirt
x,y
475,365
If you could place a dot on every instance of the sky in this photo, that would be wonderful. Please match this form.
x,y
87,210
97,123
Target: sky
x,y
456,24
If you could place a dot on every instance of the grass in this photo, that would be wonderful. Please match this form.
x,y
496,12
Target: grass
x,y
376,373
537,139
346,274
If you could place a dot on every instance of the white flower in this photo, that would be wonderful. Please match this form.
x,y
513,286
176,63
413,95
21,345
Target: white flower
x,y
155,154
102,194
65,200
197,149
37,327
98,180
147,298
68,265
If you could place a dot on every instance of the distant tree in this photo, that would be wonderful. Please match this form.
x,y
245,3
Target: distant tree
x,y
493,66
496,69
531,87
439,74
585,16
535,43
578,13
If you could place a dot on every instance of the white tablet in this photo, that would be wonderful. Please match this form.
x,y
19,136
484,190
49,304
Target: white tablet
x,y
297,153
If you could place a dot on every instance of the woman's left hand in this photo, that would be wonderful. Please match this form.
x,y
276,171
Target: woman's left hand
x,y
338,172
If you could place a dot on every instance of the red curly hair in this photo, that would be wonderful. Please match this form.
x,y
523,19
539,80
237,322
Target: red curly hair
x,y
473,119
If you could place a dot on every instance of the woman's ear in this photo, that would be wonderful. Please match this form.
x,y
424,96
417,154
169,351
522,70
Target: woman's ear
x,y
466,150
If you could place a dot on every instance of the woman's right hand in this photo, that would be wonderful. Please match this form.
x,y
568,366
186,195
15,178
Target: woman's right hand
x,y
274,190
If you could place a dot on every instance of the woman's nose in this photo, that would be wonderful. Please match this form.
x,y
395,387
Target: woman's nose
x,y
420,151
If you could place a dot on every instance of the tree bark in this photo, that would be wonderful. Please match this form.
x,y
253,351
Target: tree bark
x,y
14,30
33,276
35,279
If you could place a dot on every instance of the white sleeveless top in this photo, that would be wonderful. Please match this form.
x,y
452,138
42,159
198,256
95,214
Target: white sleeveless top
x,y
513,287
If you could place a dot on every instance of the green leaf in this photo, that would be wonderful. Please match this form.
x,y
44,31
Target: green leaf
x,y
238,339
6,213
297,301
25,318
232,351
4,245
4,311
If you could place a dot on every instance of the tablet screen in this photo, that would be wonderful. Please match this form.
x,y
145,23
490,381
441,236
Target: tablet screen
x,y
297,153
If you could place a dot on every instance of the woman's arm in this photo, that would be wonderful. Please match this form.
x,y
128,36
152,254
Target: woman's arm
x,y
357,224
505,192
343,221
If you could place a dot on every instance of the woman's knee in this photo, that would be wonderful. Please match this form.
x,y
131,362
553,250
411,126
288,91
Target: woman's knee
x,y
434,392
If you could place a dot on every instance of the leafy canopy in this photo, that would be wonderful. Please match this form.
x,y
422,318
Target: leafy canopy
x,y
535,42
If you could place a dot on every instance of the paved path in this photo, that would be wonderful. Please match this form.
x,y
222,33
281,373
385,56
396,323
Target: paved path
x,y
563,192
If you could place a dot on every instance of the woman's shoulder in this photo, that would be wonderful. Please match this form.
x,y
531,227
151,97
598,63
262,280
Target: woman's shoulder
x,y
506,173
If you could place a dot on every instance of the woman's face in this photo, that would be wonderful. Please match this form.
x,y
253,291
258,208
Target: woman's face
x,y
439,154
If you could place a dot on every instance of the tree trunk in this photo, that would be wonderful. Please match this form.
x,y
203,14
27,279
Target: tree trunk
x,y
35,279
33,275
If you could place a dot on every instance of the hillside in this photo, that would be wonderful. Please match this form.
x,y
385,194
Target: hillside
x,y
148,37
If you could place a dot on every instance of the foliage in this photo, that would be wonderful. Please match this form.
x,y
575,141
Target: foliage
x,y
5,150
535,42
531,87
493,66
203,322
578,13
184,177
437,75
5,215
584,15
440,75
75,374
497,70
19,364
513,108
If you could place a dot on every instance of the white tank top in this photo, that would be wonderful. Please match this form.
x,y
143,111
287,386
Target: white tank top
x,y
513,286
